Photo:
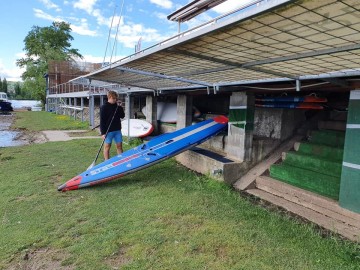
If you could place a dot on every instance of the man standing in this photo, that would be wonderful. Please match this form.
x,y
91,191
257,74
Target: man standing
x,y
110,123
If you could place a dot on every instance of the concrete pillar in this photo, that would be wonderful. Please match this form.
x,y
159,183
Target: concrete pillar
x,y
129,107
75,111
151,112
241,126
57,105
68,110
349,196
184,111
101,100
92,110
82,109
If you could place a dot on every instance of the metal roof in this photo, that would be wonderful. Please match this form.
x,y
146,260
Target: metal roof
x,y
277,40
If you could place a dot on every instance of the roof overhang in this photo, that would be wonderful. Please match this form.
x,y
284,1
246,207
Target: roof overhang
x,y
278,40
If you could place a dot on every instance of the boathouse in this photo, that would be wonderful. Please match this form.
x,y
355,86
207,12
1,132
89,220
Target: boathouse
x,y
285,72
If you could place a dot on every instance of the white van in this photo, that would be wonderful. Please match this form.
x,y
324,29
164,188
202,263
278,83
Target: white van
x,y
3,96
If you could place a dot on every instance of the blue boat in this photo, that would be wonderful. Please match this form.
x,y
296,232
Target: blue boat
x,y
148,154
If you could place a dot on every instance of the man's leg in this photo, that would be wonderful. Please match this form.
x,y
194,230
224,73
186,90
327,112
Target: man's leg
x,y
118,141
107,150
119,148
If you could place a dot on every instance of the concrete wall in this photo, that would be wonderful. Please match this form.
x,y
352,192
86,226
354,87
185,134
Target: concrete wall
x,y
184,111
277,123
151,112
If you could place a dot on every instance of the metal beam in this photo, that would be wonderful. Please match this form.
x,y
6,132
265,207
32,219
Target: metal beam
x,y
191,73
303,55
230,63
163,76
125,85
337,81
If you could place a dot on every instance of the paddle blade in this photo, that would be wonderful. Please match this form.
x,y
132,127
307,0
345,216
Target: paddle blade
x,y
91,166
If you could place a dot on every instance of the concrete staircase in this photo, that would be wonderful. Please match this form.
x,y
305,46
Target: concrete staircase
x,y
316,208
309,173
315,165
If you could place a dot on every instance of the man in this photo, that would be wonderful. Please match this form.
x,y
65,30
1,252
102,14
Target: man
x,y
110,122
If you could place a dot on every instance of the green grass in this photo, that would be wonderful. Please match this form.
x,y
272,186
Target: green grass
x,y
37,121
163,217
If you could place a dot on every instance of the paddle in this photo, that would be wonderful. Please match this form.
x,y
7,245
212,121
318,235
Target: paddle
x,y
107,131
95,127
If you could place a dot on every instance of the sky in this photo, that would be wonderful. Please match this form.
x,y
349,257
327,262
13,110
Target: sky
x,y
91,21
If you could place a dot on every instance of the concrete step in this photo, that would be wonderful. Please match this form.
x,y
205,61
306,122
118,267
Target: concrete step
x,y
328,137
314,163
320,150
348,229
319,183
215,164
308,199
248,179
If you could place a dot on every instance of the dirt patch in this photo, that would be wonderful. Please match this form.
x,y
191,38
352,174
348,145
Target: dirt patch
x,y
118,259
41,259
23,136
30,137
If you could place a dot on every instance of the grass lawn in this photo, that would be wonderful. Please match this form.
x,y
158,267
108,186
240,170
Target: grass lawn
x,y
37,121
163,217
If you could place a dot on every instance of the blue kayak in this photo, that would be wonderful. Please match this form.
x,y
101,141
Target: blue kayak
x,y
148,154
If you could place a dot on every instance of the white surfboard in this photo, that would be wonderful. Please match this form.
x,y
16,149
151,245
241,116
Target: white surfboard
x,y
138,128
167,112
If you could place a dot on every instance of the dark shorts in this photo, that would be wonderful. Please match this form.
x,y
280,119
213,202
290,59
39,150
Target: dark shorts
x,y
114,135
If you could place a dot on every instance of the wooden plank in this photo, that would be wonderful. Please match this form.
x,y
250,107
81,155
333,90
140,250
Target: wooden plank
x,y
249,178
308,199
328,223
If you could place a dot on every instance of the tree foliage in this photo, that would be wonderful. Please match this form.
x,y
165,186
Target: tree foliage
x,y
3,85
17,89
44,44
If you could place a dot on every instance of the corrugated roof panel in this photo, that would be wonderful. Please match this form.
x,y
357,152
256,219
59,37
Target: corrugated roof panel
x,y
300,38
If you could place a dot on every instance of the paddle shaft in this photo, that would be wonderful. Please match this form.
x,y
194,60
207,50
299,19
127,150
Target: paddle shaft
x,y
95,127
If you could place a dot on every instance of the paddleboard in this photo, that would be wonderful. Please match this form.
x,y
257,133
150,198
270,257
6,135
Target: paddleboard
x,y
285,105
158,149
167,112
138,128
311,99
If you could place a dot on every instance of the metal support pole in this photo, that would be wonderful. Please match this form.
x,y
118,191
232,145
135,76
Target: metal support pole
x,y
298,85
128,113
82,109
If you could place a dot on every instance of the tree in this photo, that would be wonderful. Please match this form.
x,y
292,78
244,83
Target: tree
x,y
17,89
43,44
4,86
